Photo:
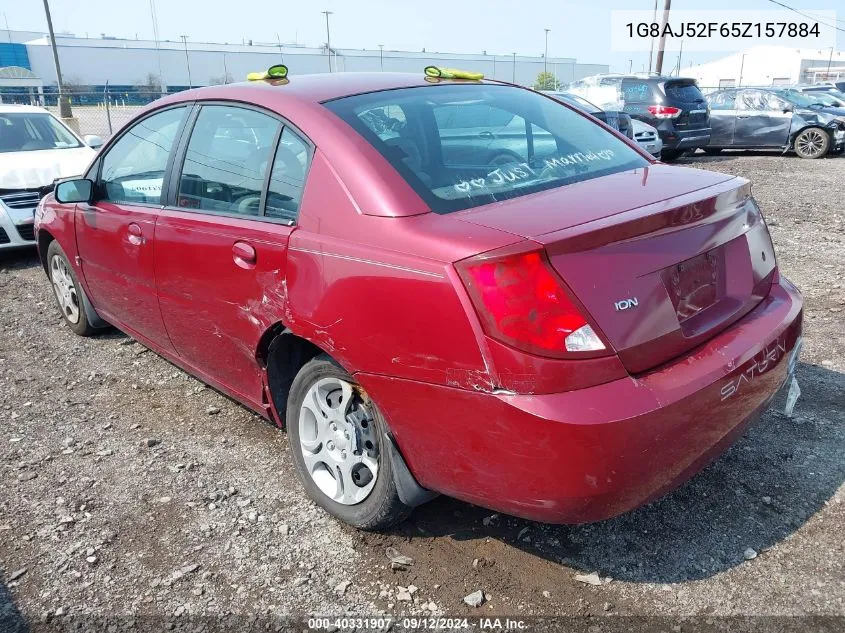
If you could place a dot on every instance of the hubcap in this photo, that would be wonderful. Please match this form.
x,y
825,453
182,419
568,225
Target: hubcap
x,y
811,143
338,441
65,289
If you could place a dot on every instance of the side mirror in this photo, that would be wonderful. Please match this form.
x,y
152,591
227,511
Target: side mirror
x,y
93,141
787,109
71,191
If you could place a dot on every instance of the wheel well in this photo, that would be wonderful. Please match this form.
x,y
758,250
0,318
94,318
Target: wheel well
x,y
804,129
284,355
44,239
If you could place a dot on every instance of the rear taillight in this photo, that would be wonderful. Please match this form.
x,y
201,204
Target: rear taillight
x,y
664,112
522,302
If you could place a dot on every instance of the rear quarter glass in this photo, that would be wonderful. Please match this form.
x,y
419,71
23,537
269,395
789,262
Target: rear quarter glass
x,y
460,146
639,91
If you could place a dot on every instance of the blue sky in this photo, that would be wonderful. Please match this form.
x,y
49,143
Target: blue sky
x,y
578,28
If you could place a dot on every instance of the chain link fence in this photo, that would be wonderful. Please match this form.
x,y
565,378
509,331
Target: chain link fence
x,y
100,113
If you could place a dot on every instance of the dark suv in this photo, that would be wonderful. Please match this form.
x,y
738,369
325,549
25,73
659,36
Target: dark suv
x,y
673,105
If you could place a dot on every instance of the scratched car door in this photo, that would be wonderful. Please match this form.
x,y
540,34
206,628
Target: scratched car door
x,y
221,243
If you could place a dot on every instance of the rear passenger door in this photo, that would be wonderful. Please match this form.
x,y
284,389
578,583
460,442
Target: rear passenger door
x,y
221,241
761,120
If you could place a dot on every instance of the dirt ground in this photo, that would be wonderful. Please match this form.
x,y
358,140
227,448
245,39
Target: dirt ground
x,y
128,488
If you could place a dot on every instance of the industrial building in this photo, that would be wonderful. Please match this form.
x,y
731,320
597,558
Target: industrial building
x,y
132,66
770,66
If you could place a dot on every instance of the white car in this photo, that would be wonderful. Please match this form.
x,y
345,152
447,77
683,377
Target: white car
x,y
647,137
36,149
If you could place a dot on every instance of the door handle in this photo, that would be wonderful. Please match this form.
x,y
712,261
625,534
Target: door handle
x,y
136,236
244,255
742,116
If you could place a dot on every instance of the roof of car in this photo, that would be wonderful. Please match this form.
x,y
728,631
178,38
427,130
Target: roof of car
x,y
8,108
327,86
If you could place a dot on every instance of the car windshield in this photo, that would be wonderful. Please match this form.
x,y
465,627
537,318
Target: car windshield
x,y
461,146
823,98
797,98
31,131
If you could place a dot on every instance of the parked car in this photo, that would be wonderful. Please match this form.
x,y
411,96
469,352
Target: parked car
x,y
562,338
36,148
769,118
648,138
826,95
673,105
615,119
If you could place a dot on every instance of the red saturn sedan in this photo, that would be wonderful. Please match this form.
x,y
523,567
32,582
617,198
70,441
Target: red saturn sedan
x,y
436,286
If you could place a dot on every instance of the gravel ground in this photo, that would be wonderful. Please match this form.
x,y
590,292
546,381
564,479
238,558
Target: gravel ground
x,y
130,489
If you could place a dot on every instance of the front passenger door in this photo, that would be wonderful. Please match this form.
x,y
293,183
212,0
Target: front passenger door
x,y
115,233
221,243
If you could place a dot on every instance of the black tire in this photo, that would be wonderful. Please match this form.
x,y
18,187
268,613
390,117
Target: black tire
x,y
80,326
382,508
671,155
812,143
712,151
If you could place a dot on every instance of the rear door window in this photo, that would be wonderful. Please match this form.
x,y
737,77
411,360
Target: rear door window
x,y
462,146
226,160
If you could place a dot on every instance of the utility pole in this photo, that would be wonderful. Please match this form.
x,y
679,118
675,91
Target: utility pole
x,y
741,68
662,44
513,80
64,102
187,60
546,53
829,60
651,46
328,38
630,66
381,56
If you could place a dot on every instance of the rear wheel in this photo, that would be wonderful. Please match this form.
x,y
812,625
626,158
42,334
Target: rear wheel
x,y
69,294
337,440
812,143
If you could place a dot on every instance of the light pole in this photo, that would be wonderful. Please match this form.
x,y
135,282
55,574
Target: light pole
x,y
630,65
381,56
546,53
187,60
741,68
328,38
513,80
158,48
64,104
829,60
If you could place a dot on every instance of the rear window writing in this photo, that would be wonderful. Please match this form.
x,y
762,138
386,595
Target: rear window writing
x,y
636,91
461,146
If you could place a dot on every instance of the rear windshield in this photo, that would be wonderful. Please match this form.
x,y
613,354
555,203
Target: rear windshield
x,y
683,91
461,146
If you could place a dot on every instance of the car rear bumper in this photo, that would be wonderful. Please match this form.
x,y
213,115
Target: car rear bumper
x,y
16,228
592,454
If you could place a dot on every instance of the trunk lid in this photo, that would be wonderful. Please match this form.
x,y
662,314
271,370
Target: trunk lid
x,y
663,258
